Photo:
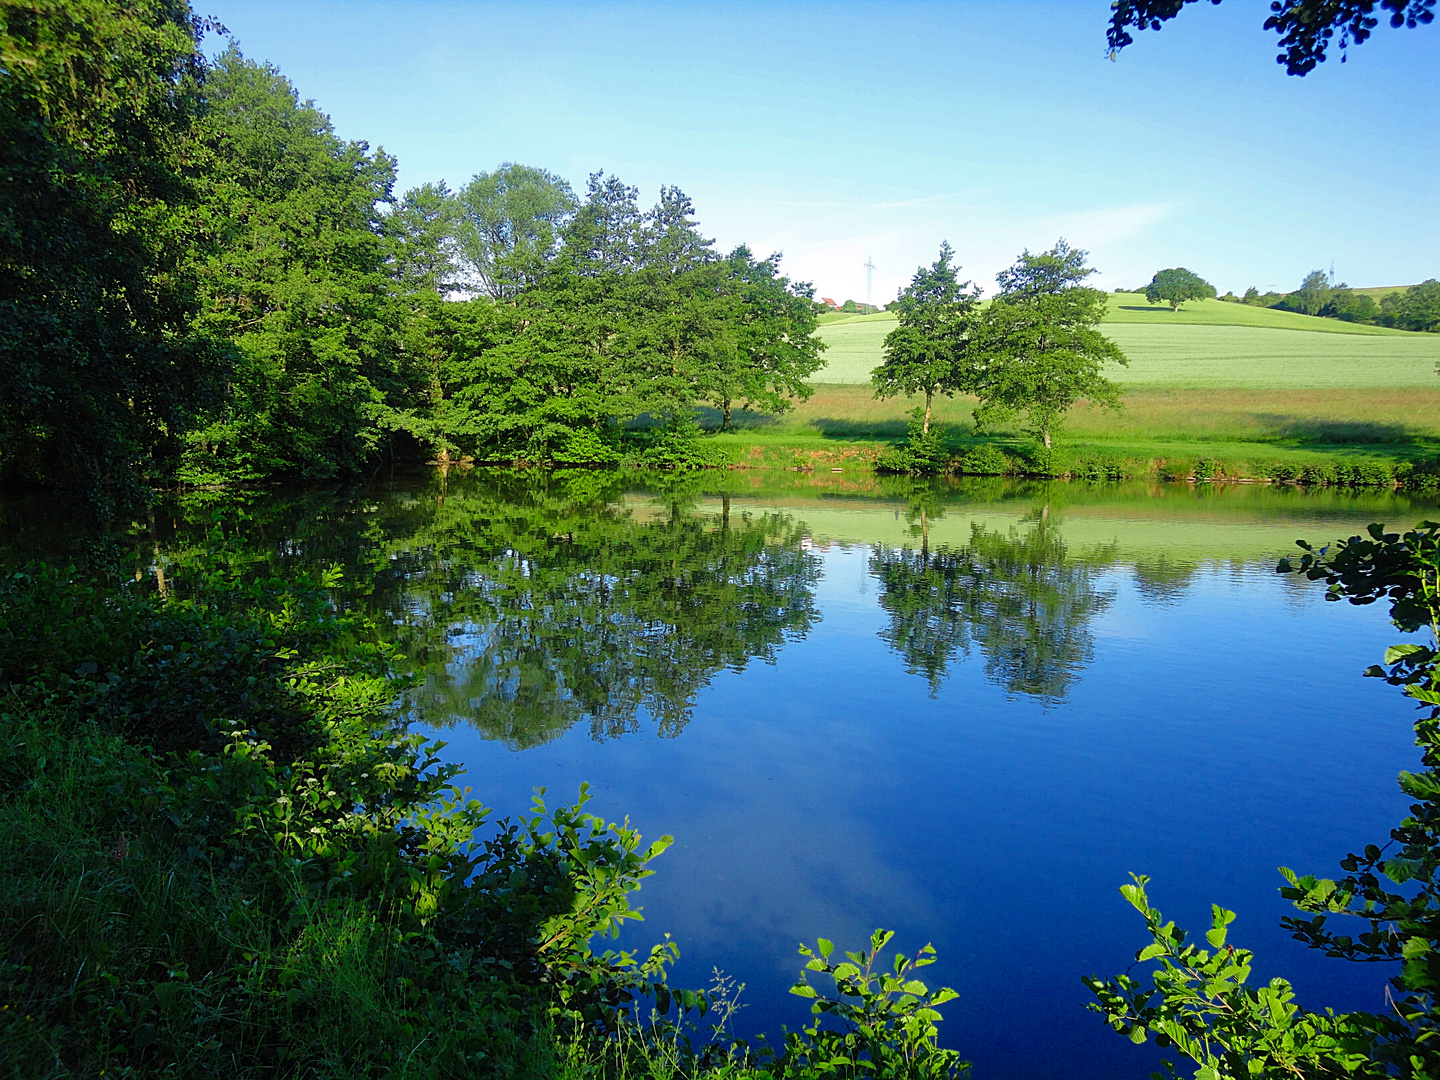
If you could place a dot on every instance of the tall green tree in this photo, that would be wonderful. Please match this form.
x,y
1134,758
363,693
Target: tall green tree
x,y
509,226
1045,273
423,229
298,278
1041,349
1313,296
1177,285
98,368
930,350
769,347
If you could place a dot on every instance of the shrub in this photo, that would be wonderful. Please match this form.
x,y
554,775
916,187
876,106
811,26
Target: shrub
x,y
1039,461
985,461
1372,474
1097,469
1423,478
681,444
1283,472
1208,469
922,454
587,446
1318,472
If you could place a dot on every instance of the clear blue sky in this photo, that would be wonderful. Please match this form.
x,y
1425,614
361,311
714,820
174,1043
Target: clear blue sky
x,y
833,132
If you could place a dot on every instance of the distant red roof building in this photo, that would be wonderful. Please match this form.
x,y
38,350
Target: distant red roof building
x,y
827,300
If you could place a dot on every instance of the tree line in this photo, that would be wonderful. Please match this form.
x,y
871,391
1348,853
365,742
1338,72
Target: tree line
x,y
204,283
1415,308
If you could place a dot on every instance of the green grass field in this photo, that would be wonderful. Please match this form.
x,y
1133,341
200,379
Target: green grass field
x,y
1247,386
1208,344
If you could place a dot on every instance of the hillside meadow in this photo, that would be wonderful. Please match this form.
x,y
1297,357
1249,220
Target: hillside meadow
x,y
1244,384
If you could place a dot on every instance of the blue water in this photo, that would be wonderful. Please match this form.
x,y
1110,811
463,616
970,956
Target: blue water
x,y
1214,737
1115,682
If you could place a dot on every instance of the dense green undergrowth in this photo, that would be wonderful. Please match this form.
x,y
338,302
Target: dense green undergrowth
x,y
223,854
932,454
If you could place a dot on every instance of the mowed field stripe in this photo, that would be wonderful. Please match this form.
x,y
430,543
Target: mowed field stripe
x,y
1204,356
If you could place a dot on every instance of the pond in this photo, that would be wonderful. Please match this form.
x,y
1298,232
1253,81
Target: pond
x,y
963,711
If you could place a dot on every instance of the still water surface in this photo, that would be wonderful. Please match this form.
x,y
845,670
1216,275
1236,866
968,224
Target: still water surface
x,y
964,712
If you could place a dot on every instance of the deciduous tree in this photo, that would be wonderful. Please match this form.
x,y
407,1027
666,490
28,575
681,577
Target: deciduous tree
x,y
1417,308
930,350
297,277
509,225
1041,350
1176,286
99,370
769,347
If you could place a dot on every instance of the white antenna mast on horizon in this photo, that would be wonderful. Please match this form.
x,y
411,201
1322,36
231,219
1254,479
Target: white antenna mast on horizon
x,y
869,278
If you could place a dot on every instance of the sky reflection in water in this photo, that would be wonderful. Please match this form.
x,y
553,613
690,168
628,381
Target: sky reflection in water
x,y
973,742
961,711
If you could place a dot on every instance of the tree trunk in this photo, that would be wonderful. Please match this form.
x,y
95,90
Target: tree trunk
x,y
725,415
1045,437
924,536
925,427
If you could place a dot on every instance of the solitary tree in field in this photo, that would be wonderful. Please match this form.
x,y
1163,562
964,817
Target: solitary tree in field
x,y
929,352
1175,286
1039,349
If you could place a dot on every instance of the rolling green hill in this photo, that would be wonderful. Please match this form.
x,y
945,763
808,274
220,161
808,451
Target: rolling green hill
x,y
1205,344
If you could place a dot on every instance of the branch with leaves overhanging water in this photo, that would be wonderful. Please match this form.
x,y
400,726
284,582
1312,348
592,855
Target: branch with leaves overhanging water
x,y
1201,1004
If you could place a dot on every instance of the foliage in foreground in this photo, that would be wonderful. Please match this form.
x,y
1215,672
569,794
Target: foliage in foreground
x,y
222,855
1200,1002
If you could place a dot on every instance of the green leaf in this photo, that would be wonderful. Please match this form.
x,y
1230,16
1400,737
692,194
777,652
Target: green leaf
x,y
1396,652
1149,952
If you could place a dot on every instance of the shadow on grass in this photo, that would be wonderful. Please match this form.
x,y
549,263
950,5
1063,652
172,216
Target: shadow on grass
x,y
832,427
740,419
1307,430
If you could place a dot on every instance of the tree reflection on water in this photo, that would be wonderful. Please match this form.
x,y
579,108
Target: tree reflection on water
x,y
1019,596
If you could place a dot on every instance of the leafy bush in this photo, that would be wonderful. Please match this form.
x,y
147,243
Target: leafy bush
x,y
1208,469
681,444
923,453
1372,474
887,1018
1283,472
1098,469
1043,461
1318,472
1412,477
589,446
985,461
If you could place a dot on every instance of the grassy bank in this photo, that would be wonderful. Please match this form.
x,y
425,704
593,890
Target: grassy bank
x,y
1232,390
1161,431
